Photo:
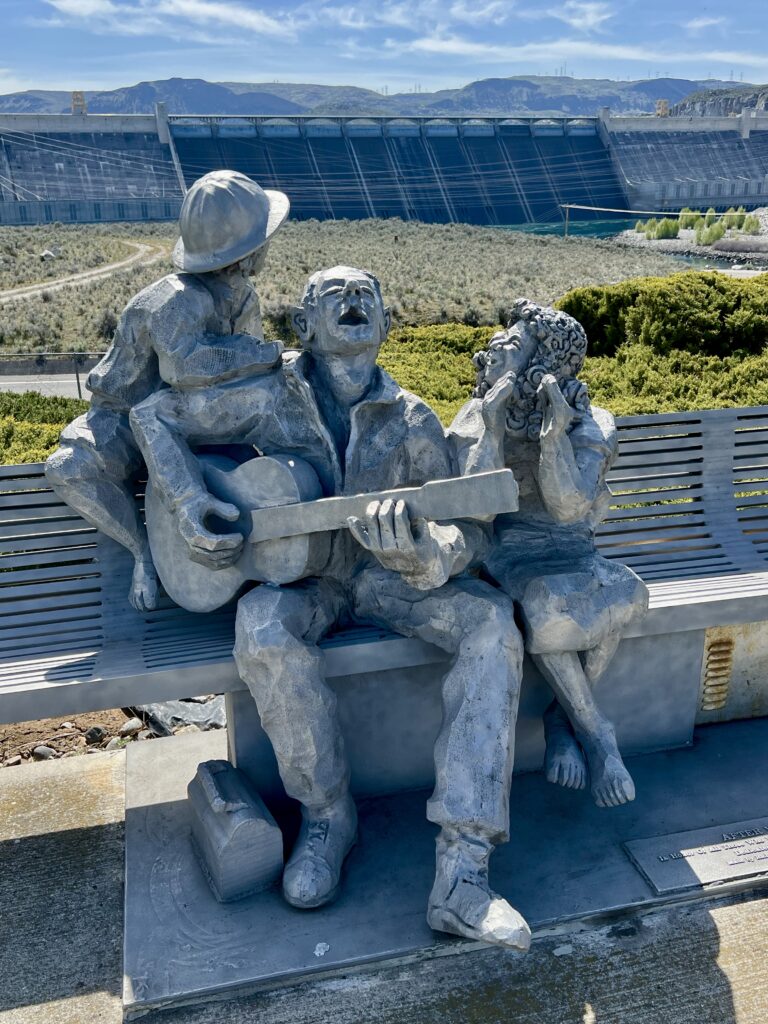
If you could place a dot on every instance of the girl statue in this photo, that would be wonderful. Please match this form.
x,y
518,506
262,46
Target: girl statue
x,y
531,414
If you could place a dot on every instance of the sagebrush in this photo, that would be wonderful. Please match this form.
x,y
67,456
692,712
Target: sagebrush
x,y
429,274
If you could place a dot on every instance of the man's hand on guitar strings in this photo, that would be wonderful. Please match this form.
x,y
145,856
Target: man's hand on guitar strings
x,y
214,550
387,532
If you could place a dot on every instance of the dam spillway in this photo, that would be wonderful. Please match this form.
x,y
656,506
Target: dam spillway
x,y
512,171
474,171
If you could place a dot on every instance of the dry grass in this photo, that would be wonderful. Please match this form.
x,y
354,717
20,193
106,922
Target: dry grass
x,y
75,249
429,274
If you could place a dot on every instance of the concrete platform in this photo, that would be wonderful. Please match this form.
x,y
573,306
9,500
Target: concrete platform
x,y
61,869
565,868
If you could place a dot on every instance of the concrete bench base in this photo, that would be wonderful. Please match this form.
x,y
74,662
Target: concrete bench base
x,y
391,717
181,946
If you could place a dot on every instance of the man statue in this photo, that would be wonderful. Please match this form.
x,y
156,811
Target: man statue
x,y
531,414
335,408
201,324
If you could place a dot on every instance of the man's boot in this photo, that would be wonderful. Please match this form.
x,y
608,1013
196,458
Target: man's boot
x,y
311,876
461,901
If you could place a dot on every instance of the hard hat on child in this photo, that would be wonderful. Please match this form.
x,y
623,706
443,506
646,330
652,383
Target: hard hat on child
x,y
225,217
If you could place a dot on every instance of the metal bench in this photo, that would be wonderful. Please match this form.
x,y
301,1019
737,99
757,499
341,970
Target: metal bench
x,y
690,516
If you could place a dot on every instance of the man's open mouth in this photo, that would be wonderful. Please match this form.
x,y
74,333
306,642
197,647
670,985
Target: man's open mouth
x,y
353,318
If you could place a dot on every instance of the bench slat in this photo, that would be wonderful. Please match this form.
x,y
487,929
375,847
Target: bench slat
x,y
658,511
40,514
23,469
32,560
652,575
46,618
685,459
54,530
36,484
152,648
637,481
752,514
31,649
660,445
664,418
652,525
33,499
34,545
54,593
56,573
661,431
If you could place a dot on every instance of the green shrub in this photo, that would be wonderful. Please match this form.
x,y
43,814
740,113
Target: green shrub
x,y
30,424
710,217
21,441
636,381
734,219
640,226
713,233
701,312
35,408
751,225
689,218
668,228
435,362
651,227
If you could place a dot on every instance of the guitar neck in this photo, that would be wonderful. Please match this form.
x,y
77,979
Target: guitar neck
x,y
478,496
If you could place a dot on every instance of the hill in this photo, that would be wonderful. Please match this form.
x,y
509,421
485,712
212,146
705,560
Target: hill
x,y
181,95
491,96
725,102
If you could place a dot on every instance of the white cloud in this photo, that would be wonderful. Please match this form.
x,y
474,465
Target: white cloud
x,y
583,14
85,8
415,17
223,12
569,49
172,17
496,12
699,24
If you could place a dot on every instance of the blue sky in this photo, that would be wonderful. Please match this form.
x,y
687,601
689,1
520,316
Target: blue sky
x,y
96,44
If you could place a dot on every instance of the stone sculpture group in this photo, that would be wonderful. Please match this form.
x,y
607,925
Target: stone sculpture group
x,y
225,423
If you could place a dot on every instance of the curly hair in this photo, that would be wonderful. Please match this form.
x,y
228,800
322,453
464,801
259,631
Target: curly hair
x,y
561,347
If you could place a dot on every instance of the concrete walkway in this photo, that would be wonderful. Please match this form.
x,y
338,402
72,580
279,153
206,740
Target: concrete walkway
x,y
64,385
61,865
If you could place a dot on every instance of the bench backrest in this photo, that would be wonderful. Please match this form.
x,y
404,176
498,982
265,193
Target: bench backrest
x,y
691,500
690,494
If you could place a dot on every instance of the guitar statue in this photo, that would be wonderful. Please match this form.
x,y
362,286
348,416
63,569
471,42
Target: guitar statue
x,y
288,525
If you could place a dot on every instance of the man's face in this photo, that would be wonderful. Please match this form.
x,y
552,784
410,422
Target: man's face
x,y
510,351
350,317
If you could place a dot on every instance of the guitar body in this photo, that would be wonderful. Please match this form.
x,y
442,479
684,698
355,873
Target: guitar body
x,y
262,482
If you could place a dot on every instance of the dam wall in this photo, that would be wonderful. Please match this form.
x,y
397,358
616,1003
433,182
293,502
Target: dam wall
x,y
514,171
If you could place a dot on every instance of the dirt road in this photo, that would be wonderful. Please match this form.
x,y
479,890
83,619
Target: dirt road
x,y
145,253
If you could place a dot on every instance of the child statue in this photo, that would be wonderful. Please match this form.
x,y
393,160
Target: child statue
x,y
531,414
